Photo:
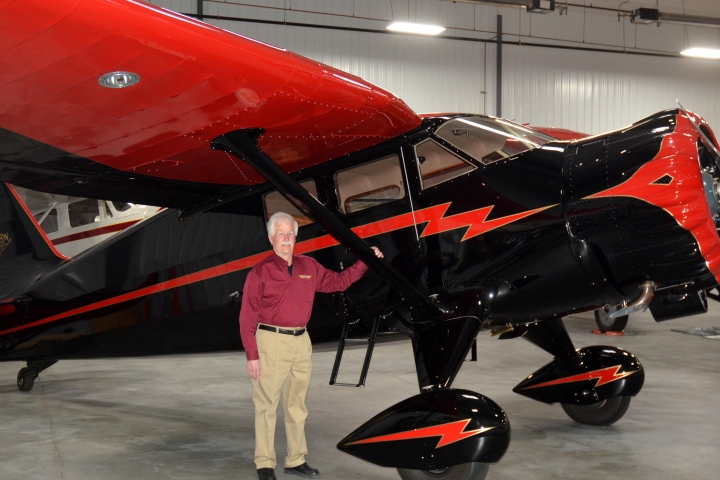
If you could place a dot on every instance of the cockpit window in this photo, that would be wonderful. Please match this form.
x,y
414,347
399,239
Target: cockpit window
x,y
276,202
121,206
437,164
490,139
370,184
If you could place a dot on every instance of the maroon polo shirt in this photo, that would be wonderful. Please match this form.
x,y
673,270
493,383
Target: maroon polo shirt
x,y
271,296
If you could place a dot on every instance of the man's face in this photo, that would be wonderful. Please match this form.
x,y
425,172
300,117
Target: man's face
x,y
283,241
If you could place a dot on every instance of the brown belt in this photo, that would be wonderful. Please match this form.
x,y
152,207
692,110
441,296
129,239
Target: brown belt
x,y
284,331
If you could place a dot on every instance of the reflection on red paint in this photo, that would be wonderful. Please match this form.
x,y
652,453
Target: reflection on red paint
x,y
684,197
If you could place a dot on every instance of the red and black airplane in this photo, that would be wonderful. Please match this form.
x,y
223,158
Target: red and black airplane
x,y
485,224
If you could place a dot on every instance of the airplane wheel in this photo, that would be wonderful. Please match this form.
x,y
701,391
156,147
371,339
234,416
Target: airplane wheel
x,y
465,471
25,379
602,413
607,324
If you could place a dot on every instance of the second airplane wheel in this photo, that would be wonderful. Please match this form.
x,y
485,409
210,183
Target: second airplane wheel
x,y
607,324
602,413
25,379
465,471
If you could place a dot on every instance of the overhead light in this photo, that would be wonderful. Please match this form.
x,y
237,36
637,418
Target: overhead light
x,y
653,15
702,53
416,28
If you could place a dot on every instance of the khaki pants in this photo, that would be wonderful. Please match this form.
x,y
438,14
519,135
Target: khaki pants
x,y
285,368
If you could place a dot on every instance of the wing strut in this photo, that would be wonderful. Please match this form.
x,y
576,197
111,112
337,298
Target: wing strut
x,y
244,145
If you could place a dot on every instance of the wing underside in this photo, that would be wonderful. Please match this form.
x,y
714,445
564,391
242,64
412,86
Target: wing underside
x,y
196,82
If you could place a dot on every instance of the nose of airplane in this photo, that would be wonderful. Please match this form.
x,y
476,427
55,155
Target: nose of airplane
x,y
647,198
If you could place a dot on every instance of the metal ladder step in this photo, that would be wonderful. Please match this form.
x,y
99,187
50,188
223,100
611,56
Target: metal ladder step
x,y
368,354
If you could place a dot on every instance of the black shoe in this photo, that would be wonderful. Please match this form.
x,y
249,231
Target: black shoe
x,y
266,474
303,470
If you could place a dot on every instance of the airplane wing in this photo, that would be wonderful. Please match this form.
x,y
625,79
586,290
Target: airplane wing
x,y
120,100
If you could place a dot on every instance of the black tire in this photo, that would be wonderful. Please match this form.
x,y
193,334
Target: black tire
x,y
607,324
602,413
25,379
465,471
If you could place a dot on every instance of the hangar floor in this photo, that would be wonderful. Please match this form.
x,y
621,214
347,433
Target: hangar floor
x,y
190,417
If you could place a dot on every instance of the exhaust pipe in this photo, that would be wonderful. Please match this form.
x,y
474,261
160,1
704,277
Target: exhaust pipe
x,y
647,290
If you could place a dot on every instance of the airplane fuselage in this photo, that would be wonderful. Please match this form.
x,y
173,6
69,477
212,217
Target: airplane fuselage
x,y
536,235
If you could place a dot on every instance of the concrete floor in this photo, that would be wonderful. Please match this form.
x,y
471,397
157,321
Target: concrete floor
x,y
190,417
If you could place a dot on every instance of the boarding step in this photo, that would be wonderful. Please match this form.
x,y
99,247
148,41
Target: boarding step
x,y
344,340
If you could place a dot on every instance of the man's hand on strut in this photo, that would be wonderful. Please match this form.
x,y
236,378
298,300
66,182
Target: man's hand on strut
x,y
377,251
253,369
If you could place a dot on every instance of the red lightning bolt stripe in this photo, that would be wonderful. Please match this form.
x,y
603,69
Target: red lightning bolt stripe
x,y
433,216
474,219
603,376
448,433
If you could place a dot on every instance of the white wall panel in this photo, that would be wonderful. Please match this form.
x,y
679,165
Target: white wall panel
x,y
595,92
567,27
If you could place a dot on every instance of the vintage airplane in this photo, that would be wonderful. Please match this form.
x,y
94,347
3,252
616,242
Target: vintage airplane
x,y
74,224
485,224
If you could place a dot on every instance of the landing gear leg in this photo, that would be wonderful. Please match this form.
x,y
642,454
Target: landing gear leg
x,y
465,471
577,377
27,375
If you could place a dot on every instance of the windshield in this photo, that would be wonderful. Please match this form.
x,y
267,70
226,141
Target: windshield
x,y
490,139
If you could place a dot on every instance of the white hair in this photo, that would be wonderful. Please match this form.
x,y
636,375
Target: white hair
x,y
280,216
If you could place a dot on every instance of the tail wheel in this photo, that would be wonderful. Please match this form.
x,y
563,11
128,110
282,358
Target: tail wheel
x,y
602,413
607,324
25,379
465,471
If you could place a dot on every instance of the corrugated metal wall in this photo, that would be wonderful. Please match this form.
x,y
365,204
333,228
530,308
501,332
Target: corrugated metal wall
x,y
586,91
595,92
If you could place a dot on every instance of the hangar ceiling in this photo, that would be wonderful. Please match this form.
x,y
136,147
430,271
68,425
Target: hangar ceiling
x,y
603,25
690,7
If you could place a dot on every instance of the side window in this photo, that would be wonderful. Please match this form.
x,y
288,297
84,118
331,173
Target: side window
x,y
121,207
50,222
83,212
275,202
370,184
438,164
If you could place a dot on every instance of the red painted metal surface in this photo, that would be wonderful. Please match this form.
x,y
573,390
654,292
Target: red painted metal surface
x,y
448,433
601,377
684,197
197,82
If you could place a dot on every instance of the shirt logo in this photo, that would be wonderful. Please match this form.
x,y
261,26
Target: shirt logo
x,y
304,276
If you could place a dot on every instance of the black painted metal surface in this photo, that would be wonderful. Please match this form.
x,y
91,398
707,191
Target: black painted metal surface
x,y
433,430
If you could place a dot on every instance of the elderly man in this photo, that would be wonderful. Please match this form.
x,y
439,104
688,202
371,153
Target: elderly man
x,y
277,302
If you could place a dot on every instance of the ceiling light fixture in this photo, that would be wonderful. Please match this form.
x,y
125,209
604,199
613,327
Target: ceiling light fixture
x,y
415,28
653,15
702,53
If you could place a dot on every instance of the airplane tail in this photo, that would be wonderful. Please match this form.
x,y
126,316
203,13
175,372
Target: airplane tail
x,y
26,254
